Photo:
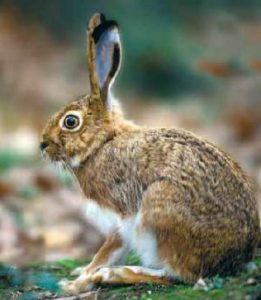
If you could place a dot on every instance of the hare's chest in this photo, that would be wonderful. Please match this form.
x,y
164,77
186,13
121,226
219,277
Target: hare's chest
x,y
133,234
104,219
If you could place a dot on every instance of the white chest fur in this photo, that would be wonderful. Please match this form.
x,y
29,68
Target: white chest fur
x,y
104,219
142,240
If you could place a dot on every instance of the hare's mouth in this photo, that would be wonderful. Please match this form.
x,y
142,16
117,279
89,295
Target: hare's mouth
x,y
51,152
50,157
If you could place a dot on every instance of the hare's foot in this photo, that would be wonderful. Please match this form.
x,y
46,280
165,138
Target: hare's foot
x,y
129,275
115,276
79,285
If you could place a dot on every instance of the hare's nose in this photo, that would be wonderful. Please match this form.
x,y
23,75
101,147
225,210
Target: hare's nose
x,y
43,145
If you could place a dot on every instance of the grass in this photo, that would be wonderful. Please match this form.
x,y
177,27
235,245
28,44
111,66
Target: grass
x,y
39,281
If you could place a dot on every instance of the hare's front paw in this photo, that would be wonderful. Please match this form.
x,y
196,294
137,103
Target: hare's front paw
x,y
86,281
79,285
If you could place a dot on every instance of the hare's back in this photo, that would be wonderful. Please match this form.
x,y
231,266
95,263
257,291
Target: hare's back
x,y
181,150
195,166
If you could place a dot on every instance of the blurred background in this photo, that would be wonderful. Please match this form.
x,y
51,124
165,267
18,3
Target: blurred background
x,y
191,64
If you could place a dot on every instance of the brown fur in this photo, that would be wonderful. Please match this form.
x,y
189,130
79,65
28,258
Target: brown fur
x,y
194,197
113,242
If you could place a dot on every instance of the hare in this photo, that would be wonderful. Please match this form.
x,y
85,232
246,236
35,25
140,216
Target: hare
x,y
182,204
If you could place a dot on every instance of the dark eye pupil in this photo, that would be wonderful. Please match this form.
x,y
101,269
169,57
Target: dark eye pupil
x,y
71,121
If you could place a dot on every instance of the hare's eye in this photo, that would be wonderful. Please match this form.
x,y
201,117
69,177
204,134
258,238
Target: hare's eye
x,y
71,121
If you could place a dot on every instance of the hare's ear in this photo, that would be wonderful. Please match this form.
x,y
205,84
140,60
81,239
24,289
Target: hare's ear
x,y
104,56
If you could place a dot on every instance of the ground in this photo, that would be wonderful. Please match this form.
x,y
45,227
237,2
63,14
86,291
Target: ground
x,y
39,281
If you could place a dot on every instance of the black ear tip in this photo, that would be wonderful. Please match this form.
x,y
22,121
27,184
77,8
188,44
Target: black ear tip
x,y
103,26
102,17
104,20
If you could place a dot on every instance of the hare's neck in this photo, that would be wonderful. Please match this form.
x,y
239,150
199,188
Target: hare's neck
x,y
96,175
95,144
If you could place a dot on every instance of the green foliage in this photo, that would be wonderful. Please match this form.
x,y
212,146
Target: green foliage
x,y
133,260
10,276
9,159
70,264
45,281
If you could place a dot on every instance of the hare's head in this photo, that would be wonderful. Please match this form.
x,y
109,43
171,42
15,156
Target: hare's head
x,y
77,130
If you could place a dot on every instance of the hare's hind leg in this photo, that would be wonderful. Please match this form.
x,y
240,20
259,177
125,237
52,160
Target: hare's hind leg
x,y
116,276
165,214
